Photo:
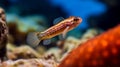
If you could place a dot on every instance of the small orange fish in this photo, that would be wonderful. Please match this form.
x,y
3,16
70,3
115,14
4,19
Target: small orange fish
x,y
101,51
61,28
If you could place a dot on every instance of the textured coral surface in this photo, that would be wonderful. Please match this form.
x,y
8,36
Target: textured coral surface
x,y
3,34
101,51
29,63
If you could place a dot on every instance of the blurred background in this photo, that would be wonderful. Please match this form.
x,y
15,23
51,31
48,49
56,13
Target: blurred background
x,y
25,16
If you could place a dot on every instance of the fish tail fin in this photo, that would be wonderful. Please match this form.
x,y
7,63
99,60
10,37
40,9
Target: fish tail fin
x,y
32,39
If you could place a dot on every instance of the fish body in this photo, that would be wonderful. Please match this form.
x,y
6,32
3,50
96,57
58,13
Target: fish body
x,y
61,28
101,51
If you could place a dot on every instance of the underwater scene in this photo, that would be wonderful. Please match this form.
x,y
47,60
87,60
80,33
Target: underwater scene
x,y
59,33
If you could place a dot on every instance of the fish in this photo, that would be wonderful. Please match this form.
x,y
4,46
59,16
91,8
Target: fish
x,y
3,34
62,27
100,51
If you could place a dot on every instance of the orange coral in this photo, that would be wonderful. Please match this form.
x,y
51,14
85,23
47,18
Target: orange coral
x,y
101,51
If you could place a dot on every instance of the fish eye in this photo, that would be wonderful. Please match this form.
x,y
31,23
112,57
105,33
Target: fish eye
x,y
75,19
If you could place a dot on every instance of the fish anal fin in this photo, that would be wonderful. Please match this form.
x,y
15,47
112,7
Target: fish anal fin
x,y
46,42
65,32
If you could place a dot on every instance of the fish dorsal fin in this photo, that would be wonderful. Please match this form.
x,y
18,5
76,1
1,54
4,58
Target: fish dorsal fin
x,y
57,20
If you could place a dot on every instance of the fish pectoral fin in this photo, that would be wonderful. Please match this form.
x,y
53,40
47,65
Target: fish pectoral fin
x,y
46,42
57,20
65,32
32,39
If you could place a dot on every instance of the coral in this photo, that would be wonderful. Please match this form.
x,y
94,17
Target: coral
x,y
25,52
40,49
29,63
19,26
100,51
3,34
70,43
90,33
53,53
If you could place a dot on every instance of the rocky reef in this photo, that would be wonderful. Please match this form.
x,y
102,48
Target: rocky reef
x,y
93,48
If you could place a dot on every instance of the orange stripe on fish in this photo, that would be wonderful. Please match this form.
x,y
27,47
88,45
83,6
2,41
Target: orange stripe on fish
x,y
61,28
101,51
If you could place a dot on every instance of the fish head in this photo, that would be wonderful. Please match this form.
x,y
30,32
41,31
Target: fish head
x,y
74,21
77,20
